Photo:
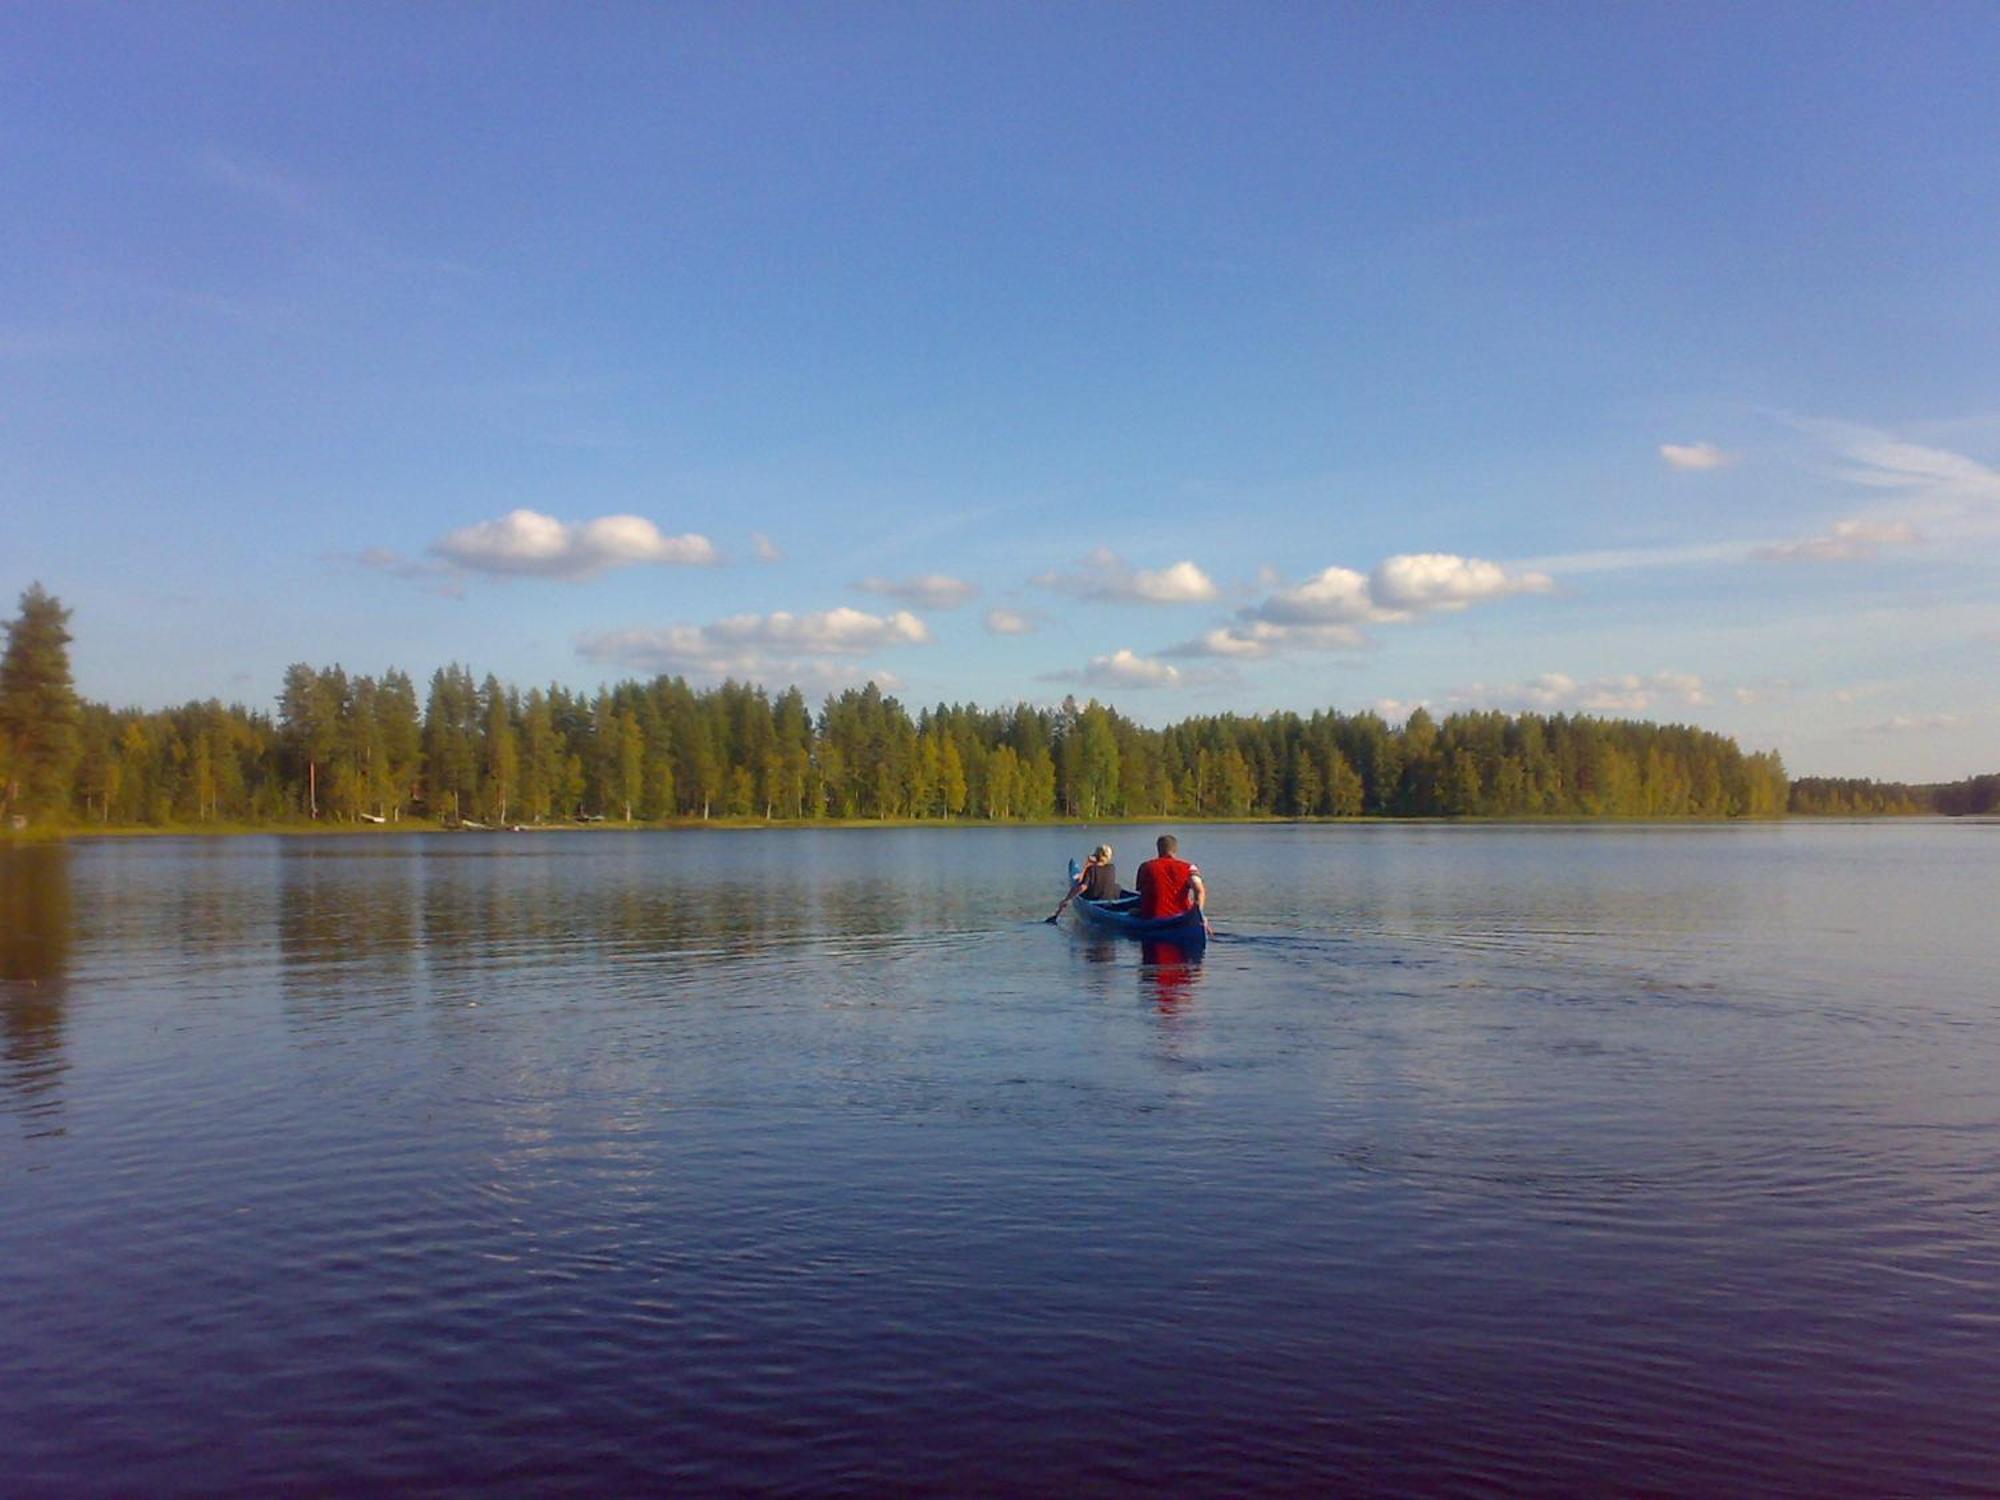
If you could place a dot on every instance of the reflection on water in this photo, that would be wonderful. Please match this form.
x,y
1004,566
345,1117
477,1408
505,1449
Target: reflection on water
x,y
1168,971
346,932
1462,1161
36,922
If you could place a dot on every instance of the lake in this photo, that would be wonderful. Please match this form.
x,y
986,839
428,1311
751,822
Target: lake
x,y
1468,1160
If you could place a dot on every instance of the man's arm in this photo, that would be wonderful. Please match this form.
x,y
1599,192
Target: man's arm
x,y
1200,892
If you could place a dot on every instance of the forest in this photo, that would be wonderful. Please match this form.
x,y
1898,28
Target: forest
x,y
1857,797
472,750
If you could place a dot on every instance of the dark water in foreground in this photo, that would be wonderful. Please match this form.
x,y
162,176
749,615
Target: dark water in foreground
x,y
1470,1160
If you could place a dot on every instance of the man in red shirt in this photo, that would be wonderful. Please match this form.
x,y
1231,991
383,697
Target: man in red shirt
x,y
1169,885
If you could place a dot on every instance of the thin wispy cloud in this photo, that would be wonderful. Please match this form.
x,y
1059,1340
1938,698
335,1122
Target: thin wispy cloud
x,y
1950,495
764,549
1628,559
1010,622
777,646
1929,494
1912,724
925,591
1877,461
1695,456
1105,577
1624,693
528,544
267,184
1851,540
333,233
432,576
1253,640
1777,690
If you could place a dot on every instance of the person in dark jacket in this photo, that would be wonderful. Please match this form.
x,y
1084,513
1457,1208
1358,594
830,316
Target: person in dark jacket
x,y
1096,881
1099,880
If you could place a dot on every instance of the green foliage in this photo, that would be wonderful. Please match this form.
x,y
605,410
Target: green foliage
x,y
39,713
350,747
1977,794
345,748
1855,797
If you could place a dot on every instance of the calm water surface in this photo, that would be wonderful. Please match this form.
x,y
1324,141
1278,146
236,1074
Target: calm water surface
x,y
1469,1160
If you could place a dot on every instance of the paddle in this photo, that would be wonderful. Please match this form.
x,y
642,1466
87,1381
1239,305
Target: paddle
x,y
1075,885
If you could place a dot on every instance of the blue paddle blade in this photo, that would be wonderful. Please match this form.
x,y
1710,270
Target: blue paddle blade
x,y
1075,870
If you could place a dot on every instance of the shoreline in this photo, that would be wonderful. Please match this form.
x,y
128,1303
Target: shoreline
x,y
413,826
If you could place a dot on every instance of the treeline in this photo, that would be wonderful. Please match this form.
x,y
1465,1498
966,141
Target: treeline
x,y
347,747
1859,797
352,747
1855,796
1976,794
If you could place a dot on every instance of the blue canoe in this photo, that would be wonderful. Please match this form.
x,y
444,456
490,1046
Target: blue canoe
x,y
1122,916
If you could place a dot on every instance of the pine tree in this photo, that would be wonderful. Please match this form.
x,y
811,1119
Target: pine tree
x,y
39,714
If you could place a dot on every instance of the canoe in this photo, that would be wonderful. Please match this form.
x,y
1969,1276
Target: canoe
x,y
1122,916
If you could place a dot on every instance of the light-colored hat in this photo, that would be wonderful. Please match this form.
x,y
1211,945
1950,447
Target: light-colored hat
x,y
1102,851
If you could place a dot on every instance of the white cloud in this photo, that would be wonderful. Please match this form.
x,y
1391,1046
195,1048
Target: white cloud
x,y
1558,692
763,548
1106,577
828,632
1695,456
926,591
1951,495
1123,669
529,544
1881,462
1847,541
777,646
1399,587
1327,610
1245,642
1251,640
1439,580
1396,710
1332,596
1010,622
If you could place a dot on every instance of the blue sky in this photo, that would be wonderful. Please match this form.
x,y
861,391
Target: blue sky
x,y
1638,360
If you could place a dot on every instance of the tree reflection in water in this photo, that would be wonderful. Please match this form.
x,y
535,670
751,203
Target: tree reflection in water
x,y
35,932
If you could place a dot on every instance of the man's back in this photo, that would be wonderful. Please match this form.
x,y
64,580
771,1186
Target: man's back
x,y
1163,886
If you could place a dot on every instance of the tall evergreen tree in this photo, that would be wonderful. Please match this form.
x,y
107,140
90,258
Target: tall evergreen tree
x,y
39,714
